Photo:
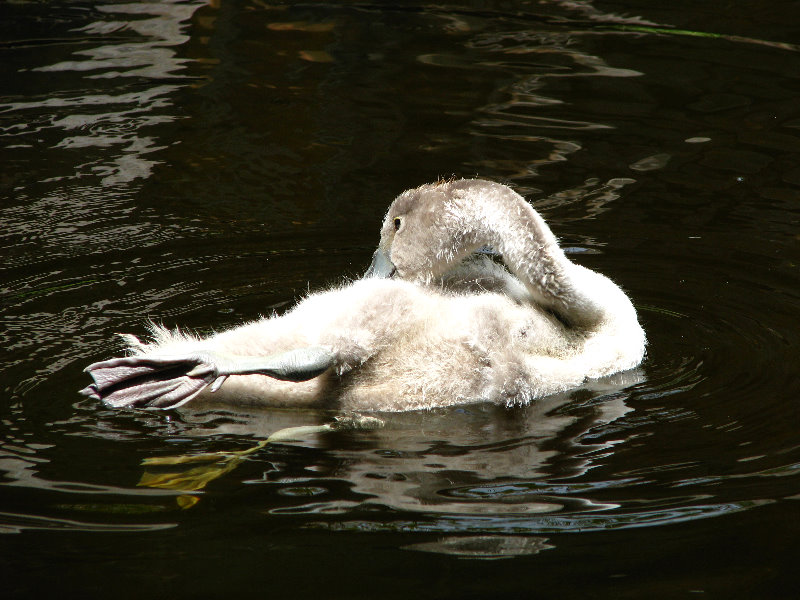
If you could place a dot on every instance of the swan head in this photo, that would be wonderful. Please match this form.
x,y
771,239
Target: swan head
x,y
427,231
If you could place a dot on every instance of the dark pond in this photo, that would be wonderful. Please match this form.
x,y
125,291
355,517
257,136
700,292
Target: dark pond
x,y
199,164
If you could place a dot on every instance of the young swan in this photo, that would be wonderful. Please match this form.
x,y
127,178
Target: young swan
x,y
431,324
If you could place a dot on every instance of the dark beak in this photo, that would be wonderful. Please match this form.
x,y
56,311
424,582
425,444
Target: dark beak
x,y
488,251
381,265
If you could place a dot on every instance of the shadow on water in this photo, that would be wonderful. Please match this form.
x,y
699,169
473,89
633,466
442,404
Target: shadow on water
x,y
199,164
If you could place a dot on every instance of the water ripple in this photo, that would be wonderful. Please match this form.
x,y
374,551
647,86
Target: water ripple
x,y
529,525
17,523
106,120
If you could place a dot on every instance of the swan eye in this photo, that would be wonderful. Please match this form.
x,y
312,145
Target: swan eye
x,y
397,223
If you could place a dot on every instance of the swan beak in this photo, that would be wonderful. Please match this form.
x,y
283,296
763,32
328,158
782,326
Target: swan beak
x,y
488,251
381,265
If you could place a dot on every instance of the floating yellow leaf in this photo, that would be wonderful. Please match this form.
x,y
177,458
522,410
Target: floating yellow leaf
x,y
193,472
187,501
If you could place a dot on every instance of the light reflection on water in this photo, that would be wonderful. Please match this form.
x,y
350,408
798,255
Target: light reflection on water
x,y
114,120
201,164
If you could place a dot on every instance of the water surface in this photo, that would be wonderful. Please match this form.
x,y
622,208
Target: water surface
x,y
199,164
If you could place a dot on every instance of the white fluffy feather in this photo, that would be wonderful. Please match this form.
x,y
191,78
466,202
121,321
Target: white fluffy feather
x,y
447,329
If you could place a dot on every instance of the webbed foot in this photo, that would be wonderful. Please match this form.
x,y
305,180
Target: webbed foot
x,y
164,382
149,381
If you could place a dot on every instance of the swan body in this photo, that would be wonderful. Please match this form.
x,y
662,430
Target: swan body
x,y
431,324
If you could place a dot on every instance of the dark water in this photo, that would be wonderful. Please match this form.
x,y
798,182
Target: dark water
x,y
201,164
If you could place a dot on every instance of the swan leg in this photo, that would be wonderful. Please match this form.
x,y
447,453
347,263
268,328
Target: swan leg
x,y
164,382
294,365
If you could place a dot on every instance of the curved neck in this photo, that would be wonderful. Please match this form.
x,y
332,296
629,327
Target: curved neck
x,y
504,220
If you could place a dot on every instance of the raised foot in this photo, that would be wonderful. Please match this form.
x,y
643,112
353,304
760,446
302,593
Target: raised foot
x,y
164,382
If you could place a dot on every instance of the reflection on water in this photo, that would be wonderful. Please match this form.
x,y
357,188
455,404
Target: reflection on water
x,y
15,523
471,460
203,163
515,121
99,139
100,117
484,546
